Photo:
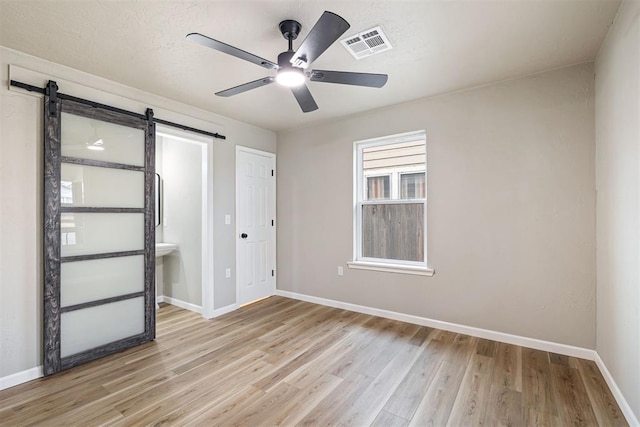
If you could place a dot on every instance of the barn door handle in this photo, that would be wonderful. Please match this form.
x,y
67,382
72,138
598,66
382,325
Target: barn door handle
x,y
244,235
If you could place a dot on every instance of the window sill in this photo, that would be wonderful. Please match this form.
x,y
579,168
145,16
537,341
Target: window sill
x,y
391,268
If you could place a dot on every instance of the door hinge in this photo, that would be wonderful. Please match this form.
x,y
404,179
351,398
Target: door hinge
x,y
272,223
271,172
273,273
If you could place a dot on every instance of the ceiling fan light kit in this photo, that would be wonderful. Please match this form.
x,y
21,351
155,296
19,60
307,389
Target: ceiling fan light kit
x,y
290,69
288,75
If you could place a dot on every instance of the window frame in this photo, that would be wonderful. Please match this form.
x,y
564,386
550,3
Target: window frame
x,y
359,200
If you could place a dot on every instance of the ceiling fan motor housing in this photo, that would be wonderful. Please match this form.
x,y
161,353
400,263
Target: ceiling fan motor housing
x,y
284,60
290,29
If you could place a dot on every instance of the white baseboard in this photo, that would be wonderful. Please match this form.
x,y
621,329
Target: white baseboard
x,y
617,394
567,350
181,304
21,377
224,310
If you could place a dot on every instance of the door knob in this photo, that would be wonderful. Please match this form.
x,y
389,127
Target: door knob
x,y
244,235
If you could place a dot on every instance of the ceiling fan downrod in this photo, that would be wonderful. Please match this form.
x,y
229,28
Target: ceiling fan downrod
x,y
290,30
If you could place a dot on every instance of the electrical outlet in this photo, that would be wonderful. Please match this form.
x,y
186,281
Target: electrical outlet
x,y
340,271
227,219
227,273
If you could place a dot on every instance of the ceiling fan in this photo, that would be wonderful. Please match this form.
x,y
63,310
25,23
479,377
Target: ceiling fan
x,y
290,69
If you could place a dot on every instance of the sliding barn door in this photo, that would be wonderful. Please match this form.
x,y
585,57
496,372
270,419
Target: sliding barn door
x,y
98,232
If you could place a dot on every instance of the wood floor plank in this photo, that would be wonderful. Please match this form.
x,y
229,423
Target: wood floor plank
x,y
446,337
385,419
570,397
421,335
42,409
508,370
286,362
407,396
559,359
602,401
364,409
219,412
504,407
435,407
304,401
470,406
535,418
313,350
329,410
263,410
387,348
536,382
96,407
306,374
486,347
363,347
291,346
163,410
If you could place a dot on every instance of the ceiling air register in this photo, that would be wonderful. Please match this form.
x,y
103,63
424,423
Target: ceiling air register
x,y
367,43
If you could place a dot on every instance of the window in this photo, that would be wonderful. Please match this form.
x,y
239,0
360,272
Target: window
x,y
412,186
390,204
378,187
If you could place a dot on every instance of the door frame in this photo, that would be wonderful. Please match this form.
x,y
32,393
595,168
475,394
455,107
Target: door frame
x,y
237,227
207,214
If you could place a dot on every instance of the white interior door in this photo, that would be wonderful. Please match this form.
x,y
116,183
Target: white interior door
x,y
255,224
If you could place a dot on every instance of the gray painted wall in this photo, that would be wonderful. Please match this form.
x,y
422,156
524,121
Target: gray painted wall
x,y
21,192
618,205
511,208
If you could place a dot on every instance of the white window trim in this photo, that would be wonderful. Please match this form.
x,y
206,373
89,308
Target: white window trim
x,y
391,268
386,265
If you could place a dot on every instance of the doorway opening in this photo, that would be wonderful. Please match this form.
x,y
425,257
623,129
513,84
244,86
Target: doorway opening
x,y
184,230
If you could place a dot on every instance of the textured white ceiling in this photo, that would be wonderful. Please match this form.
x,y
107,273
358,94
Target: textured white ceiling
x,y
439,46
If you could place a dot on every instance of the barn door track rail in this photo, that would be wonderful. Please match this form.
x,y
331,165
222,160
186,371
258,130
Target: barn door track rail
x,y
52,91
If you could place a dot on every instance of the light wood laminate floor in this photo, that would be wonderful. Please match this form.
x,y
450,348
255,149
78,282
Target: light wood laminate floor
x,y
286,362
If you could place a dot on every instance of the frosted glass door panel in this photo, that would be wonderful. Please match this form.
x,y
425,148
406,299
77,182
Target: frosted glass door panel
x,y
101,187
98,233
92,280
97,140
92,327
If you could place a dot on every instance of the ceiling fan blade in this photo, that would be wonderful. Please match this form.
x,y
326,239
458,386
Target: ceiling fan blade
x,y
326,31
346,78
247,86
230,50
304,98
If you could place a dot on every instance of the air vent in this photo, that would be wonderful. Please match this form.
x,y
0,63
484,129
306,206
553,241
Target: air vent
x,y
367,43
